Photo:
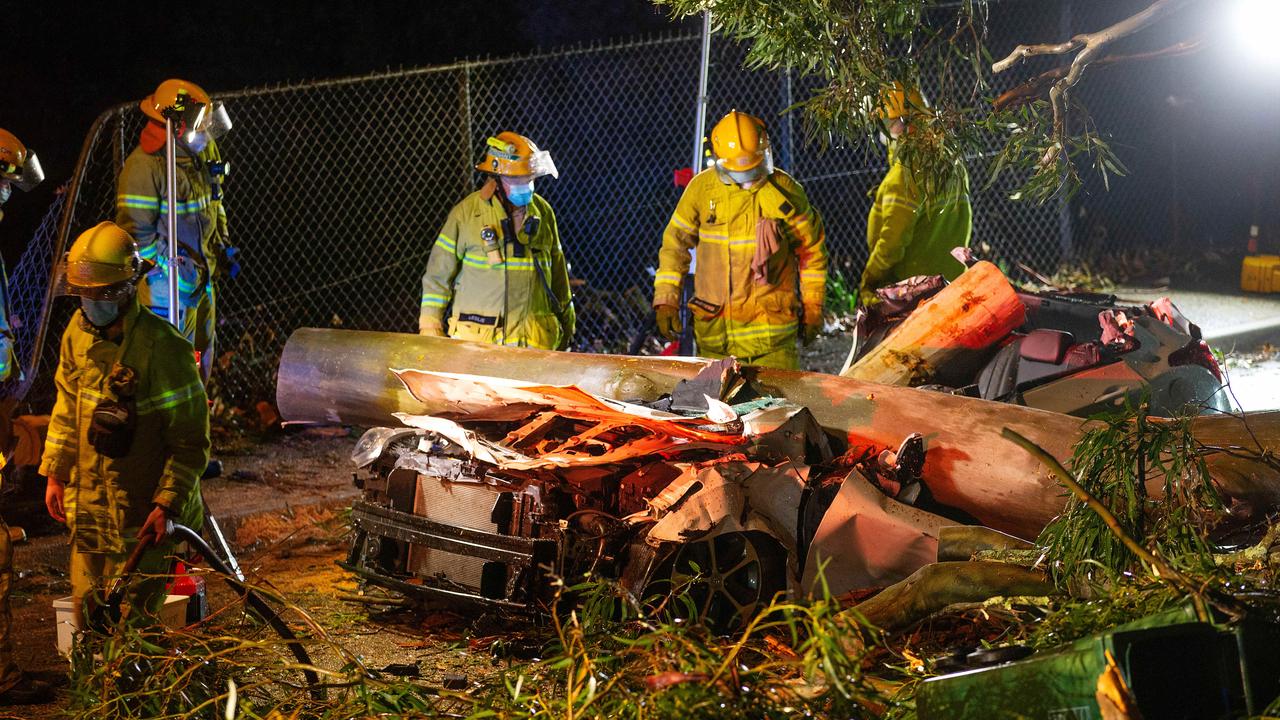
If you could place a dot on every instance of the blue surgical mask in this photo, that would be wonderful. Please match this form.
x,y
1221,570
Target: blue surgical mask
x,y
520,195
5,191
100,313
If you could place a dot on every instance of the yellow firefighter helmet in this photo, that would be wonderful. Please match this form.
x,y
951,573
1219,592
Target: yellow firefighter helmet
x,y
18,164
514,155
896,102
180,96
740,147
103,258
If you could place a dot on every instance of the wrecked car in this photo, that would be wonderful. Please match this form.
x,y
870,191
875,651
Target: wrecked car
x,y
522,484
1069,352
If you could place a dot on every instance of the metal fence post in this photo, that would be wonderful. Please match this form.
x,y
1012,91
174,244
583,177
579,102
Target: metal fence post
x,y
466,129
1066,241
700,111
688,343
171,197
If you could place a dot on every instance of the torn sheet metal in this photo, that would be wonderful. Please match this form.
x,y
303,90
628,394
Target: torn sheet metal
x,y
868,540
579,450
786,432
474,445
730,496
467,394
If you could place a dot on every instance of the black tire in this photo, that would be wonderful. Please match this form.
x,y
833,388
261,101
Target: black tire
x,y
724,581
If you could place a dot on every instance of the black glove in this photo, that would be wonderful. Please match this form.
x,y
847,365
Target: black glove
x,y
566,340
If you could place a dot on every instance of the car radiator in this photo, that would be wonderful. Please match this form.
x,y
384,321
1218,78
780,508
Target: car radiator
x,y
468,505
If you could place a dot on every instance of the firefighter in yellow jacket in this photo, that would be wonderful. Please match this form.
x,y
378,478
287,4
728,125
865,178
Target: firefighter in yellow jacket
x,y
911,232
142,207
19,168
497,264
761,253
129,433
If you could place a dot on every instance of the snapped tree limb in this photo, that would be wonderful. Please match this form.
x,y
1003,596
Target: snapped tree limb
x,y
343,376
1091,47
1037,86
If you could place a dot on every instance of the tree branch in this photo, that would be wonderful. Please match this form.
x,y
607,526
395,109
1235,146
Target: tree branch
x,y
1091,47
1039,85
1101,38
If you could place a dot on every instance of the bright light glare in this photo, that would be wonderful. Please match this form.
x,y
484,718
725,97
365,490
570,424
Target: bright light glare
x,y
1253,24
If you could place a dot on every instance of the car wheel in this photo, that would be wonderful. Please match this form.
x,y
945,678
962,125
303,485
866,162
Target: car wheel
x,y
728,579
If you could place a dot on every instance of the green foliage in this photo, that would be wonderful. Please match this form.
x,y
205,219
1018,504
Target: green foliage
x,y
842,295
793,660
607,657
228,660
1116,461
855,49
1067,620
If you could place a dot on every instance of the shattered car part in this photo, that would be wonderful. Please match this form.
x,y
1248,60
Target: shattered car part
x,y
1074,353
492,512
868,540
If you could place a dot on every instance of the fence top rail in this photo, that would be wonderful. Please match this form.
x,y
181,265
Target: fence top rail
x,y
673,37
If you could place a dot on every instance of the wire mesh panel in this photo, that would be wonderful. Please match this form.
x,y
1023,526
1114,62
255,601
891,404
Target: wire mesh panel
x,y
338,188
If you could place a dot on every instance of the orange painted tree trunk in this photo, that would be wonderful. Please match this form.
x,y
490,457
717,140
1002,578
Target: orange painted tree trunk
x,y
949,334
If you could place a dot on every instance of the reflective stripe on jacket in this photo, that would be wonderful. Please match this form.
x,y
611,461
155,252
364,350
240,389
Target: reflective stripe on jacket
x,y
142,210
909,234
107,499
733,314
504,303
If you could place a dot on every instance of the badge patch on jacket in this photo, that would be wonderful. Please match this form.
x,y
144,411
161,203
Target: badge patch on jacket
x,y
711,309
477,319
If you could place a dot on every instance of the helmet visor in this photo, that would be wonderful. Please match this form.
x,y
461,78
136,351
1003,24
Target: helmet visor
x,y
759,172
31,174
26,177
98,281
212,120
542,164
115,291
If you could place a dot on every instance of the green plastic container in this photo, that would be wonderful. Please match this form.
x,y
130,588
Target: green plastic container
x,y
1176,666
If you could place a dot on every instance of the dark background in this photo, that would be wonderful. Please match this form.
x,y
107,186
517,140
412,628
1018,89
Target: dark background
x,y
76,59
1201,134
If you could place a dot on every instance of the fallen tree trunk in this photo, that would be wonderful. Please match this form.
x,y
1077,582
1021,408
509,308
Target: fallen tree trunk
x,y
343,376
937,586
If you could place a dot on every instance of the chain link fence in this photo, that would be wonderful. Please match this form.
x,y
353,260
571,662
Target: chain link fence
x,y
338,188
